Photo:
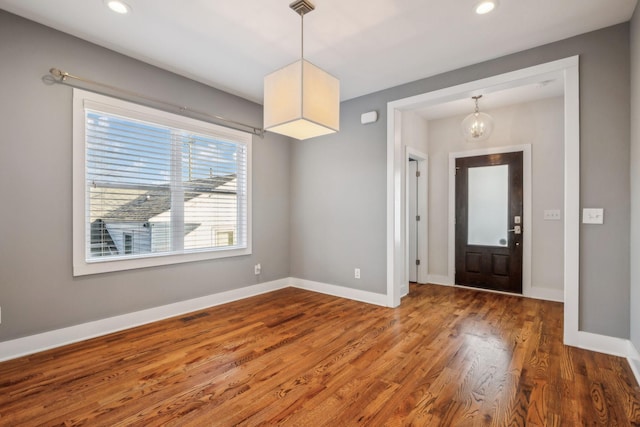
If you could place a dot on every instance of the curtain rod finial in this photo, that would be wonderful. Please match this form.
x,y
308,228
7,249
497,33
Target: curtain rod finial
x,y
59,74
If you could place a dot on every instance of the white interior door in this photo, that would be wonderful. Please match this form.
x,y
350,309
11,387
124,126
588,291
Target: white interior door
x,y
413,223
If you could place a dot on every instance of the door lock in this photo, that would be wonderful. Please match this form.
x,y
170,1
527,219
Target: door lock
x,y
516,229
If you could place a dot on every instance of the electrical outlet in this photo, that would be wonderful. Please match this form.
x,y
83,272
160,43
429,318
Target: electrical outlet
x,y
357,273
257,268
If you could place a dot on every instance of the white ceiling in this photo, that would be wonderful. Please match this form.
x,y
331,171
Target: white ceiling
x,y
548,86
369,45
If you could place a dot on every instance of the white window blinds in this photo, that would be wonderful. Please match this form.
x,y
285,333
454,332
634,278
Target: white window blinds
x,y
157,184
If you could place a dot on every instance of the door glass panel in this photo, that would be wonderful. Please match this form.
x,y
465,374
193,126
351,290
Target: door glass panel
x,y
488,205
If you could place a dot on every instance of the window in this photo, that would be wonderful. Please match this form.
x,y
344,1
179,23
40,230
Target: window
x,y
128,243
155,188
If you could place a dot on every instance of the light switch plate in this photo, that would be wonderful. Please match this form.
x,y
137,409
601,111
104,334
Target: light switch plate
x,y
552,215
593,216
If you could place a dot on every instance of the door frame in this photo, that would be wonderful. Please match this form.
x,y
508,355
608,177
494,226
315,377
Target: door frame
x,y
568,70
422,227
526,209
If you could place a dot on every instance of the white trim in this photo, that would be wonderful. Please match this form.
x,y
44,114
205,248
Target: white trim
x,y
437,279
497,82
571,201
546,294
451,223
491,291
395,246
527,219
634,360
568,67
538,293
339,291
59,337
603,344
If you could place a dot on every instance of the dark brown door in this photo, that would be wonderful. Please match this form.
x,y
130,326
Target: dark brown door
x,y
489,222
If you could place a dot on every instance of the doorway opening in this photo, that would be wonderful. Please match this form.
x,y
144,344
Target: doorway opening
x,y
416,197
567,71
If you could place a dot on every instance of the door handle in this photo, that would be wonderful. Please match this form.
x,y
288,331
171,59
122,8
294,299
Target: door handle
x,y
516,229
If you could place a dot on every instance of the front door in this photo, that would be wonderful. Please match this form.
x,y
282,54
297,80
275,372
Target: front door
x,y
489,221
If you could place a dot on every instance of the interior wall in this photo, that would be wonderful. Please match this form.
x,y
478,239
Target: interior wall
x,y
539,123
415,131
635,179
337,222
37,290
359,180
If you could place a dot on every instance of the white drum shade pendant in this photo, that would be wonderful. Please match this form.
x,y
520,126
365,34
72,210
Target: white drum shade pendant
x,y
301,100
477,126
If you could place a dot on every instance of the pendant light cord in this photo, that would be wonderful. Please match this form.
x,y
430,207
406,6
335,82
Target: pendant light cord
x,y
475,98
302,7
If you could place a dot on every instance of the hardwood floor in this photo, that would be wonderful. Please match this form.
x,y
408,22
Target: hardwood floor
x,y
447,356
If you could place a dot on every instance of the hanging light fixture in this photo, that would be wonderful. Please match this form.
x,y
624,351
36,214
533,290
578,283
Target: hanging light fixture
x,y
301,100
477,126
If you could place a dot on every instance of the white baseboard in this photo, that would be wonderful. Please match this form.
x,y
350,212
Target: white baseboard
x,y
609,345
534,292
546,294
340,291
437,279
634,360
59,337
603,343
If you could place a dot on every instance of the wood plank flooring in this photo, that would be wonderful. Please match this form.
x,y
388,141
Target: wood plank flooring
x,y
446,357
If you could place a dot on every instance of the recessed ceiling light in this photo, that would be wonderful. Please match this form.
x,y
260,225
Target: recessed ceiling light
x,y
118,6
486,6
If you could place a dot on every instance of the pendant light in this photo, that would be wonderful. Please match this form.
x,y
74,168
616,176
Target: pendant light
x,y
477,126
301,100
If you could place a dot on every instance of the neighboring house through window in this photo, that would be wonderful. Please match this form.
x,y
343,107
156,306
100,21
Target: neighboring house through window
x,y
153,188
128,243
224,238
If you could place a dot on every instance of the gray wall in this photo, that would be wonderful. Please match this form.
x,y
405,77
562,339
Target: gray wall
x,y
37,290
339,181
338,217
635,179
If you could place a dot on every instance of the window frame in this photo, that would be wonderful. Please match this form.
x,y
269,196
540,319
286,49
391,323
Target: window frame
x,y
82,265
